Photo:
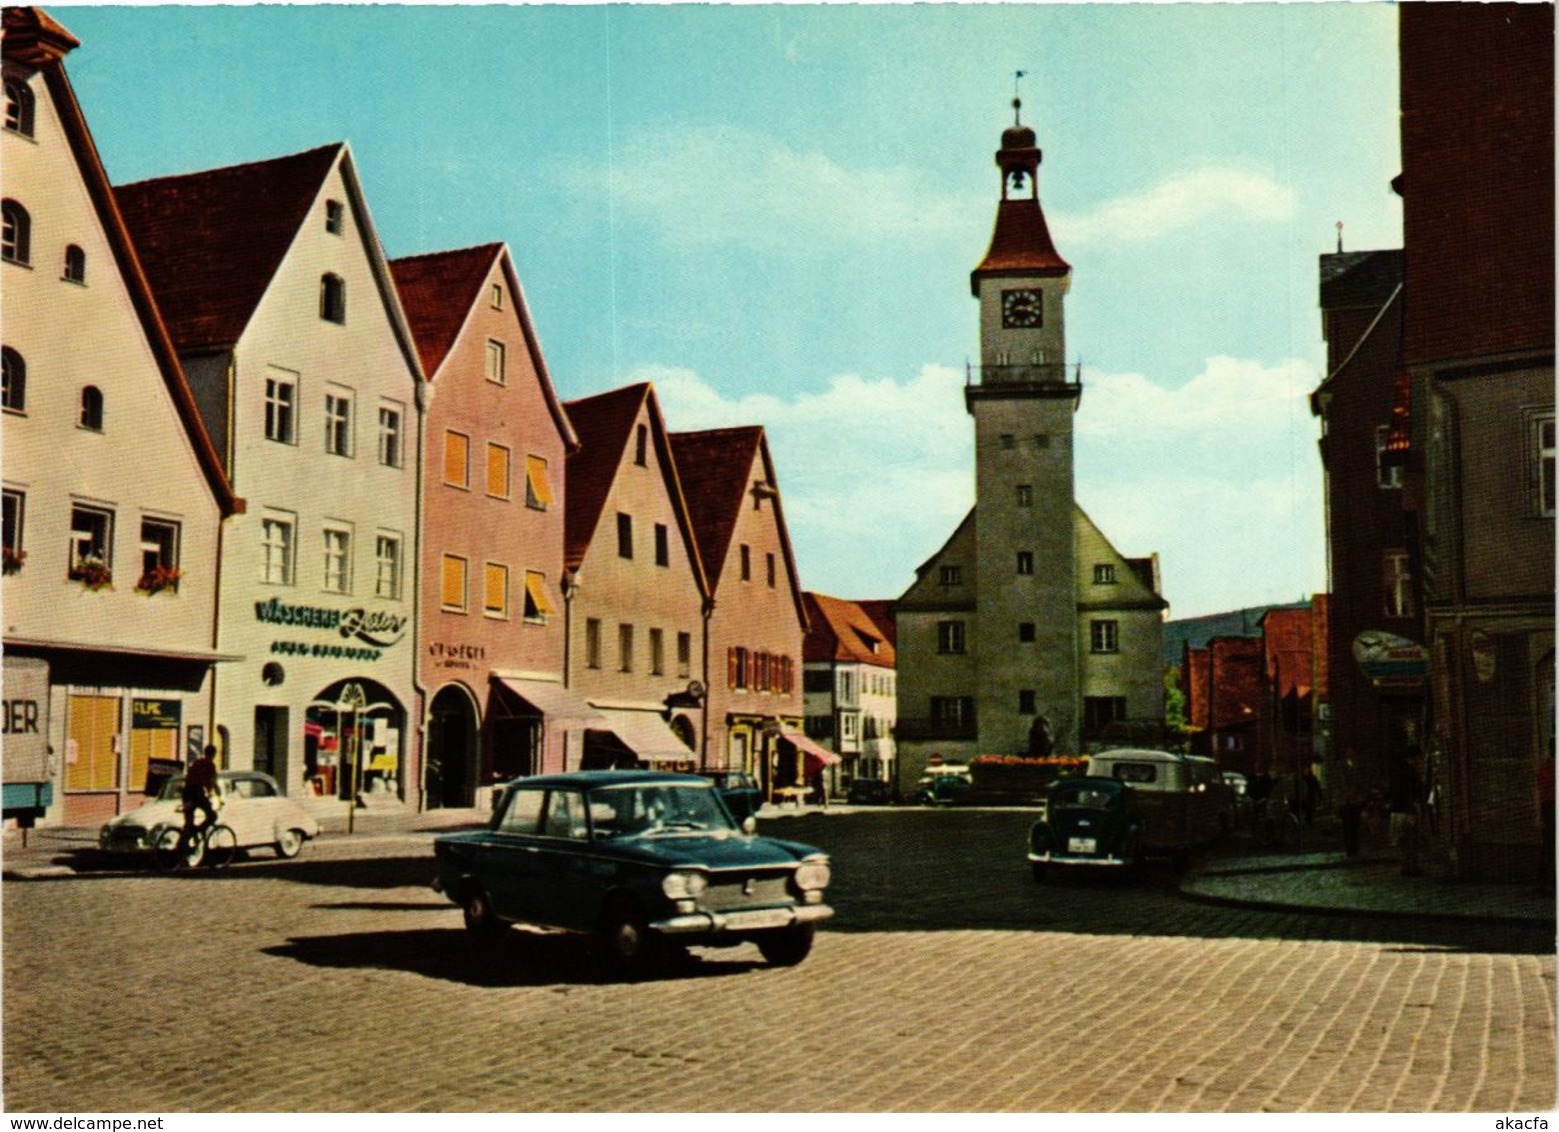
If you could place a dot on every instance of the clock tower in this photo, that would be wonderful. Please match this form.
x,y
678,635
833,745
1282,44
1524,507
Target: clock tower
x,y
1023,395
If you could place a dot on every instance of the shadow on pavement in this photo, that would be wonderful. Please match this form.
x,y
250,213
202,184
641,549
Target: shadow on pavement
x,y
517,959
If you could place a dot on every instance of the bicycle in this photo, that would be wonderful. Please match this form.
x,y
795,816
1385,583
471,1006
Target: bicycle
x,y
213,845
1278,826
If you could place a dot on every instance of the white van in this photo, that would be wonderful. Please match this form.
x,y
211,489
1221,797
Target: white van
x,y
1183,797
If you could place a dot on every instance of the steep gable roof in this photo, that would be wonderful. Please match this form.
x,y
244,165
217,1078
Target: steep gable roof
x,y
842,630
714,466
212,241
881,611
604,424
439,291
35,38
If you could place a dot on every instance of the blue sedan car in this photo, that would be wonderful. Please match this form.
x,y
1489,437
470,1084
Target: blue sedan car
x,y
646,862
1090,822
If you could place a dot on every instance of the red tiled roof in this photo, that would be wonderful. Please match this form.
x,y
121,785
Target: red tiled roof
x,y
881,611
437,292
211,242
603,423
714,466
1020,243
842,630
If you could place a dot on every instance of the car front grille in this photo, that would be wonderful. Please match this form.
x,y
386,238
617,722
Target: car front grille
x,y
744,890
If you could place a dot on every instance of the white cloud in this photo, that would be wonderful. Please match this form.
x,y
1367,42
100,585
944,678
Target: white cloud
x,y
874,474
1183,201
723,184
1220,476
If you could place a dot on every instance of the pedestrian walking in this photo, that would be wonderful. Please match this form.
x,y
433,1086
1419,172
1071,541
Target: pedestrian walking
x,y
1352,796
1405,797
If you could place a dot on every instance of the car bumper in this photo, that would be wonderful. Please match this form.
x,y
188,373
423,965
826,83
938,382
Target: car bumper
x,y
1063,859
742,920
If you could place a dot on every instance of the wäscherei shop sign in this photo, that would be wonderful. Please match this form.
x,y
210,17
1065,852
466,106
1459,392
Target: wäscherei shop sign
x,y
360,634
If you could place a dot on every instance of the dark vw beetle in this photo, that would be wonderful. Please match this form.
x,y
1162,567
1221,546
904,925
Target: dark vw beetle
x,y
646,861
1087,821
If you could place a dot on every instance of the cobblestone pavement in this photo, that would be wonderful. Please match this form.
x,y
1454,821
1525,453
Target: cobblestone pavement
x,y
340,982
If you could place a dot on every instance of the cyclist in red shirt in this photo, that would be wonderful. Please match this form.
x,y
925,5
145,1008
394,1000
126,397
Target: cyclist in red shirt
x,y
200,786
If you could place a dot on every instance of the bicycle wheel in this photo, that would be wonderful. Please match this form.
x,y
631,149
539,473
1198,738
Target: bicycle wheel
x,y
221,846
167,854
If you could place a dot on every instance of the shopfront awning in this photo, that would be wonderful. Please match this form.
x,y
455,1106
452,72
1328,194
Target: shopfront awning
x,y
555,702
644,733
817,756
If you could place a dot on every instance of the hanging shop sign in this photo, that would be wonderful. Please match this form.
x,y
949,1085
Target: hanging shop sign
x,y
358,634
1390,661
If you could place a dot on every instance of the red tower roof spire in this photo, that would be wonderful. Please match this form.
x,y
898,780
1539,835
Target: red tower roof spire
x,y
1020,243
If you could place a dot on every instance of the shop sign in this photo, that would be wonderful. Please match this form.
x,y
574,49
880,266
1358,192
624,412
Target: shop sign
x,y
1390,661
456,656
156,715
24,720
373,631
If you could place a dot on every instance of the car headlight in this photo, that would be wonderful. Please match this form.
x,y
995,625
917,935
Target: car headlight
x,y
812,875
684,885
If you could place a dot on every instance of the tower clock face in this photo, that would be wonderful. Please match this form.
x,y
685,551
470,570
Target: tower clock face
x,y
1020,309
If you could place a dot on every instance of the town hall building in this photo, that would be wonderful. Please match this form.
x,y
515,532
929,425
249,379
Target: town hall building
x,y
1028,631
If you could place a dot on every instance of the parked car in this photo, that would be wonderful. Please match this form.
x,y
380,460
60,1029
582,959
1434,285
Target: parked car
x,y
253,806
647,862
941,789
739,791
1184,801
869,792
1087,821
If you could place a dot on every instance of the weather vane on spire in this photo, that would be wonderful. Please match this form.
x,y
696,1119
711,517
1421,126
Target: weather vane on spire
x,y
1017,102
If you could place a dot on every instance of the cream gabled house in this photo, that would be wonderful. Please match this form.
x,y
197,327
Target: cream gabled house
x,y
636,600
281,305
114,496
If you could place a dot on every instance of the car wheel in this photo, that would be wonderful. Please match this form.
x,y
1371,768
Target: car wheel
x,y
785,947
289,843
626,940
479,917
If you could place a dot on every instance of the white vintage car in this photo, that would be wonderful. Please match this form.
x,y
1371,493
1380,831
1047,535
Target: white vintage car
x,y
253,806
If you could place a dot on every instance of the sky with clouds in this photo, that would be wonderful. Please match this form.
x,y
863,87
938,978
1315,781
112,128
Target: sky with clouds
x,y
772,212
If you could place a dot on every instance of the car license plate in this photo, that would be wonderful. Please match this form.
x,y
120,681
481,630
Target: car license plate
x,y
771,918
1081,845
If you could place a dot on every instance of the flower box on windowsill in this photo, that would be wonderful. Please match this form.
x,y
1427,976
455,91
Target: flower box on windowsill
x,y
14,559
92,574
158,579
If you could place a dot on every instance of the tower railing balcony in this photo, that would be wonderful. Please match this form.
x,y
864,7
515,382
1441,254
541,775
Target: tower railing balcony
x,y
1035,375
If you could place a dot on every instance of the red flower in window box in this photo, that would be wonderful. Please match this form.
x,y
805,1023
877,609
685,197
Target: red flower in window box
x,y
92,573
160,578
14,560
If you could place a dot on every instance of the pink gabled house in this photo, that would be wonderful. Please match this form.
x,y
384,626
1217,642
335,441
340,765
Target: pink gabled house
x,y
758,621
496,440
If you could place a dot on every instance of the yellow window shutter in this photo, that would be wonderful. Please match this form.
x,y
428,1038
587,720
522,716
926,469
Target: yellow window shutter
x,y
453,590
496,588
536,587
498,471
455,459
536,475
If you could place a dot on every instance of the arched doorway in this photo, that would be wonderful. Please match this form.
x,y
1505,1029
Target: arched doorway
x,y
359,729
452,749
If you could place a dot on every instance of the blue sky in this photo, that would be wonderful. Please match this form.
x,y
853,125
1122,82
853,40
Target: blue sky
x,y
772,212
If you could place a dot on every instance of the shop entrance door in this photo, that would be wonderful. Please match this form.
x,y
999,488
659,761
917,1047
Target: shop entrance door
x,y
270,742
